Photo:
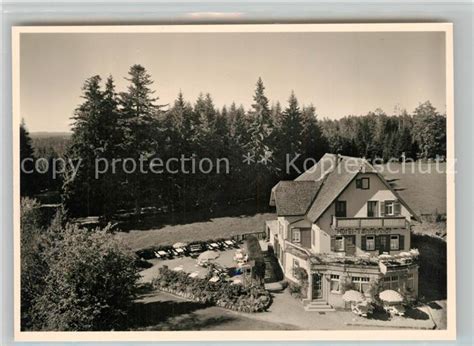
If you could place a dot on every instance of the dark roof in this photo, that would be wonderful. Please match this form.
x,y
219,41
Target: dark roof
x,y
317,172
293,198
331,175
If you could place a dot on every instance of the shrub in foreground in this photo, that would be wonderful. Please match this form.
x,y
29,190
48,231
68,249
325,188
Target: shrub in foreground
x,y
90,283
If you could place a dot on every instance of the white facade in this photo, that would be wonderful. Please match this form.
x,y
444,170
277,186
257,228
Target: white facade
x,y
366,219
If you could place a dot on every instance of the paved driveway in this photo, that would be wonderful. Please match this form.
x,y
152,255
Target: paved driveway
x,y
286,309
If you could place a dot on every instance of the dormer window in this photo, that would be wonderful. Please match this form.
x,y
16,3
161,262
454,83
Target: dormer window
x,y
363,183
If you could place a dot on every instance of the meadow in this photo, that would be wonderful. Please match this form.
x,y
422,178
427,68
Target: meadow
x,y
424,192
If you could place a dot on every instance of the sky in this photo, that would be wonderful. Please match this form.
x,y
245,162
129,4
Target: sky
x,y
339,73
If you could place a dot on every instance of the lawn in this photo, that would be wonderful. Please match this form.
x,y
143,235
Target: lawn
x,y
219,227
162,311
424,192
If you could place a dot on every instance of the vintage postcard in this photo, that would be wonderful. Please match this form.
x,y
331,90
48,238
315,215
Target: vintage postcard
x,y
194,182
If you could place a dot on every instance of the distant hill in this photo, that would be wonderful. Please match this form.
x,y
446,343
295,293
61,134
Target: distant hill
x,y
47,143
44,134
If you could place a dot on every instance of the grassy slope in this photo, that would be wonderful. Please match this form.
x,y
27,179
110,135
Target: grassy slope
x,y
222,227
425,193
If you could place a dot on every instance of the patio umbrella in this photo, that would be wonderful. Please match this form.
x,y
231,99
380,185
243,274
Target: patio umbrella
x,y
208,255
391,296
353,296
179,244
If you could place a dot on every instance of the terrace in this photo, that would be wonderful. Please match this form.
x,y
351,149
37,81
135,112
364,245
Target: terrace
x,y
229,259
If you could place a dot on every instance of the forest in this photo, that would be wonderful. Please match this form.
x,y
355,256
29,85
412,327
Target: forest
x,y
133,124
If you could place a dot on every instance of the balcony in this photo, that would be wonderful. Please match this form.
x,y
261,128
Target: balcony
x,y
369,222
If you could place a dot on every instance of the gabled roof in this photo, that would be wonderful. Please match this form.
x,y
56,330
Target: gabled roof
x,y
293,198
332,174
335,179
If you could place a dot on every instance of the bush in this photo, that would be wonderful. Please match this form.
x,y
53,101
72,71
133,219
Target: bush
x,y
302,276
90,283
33,267
295,290
223,294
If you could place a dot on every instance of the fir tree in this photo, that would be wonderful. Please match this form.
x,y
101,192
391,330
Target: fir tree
x,y
260,145
143,136
28,177
80,193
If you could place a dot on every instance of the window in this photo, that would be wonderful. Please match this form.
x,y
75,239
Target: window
x,y
394,242
388,208
340,208
391,282
370,243
295,235
335,283
410,281
339,244
371,208
363,183
361,284
392,208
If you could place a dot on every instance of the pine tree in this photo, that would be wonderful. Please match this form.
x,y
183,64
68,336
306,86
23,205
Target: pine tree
x,y
111,134
186,142
314,144
260,127
97,135
143,136
292,126
80,193
211,147
27,173
260,146
277,114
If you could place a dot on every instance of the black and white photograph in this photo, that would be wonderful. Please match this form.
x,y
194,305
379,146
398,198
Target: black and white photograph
x,y
296,181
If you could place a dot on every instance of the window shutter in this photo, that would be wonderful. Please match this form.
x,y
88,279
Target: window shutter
x,y
382,208
363,244
333,243
401,239
358,183
396,208
377,242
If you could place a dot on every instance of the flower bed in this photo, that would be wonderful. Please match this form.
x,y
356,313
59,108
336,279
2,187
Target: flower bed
x,y
402,258
223,294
